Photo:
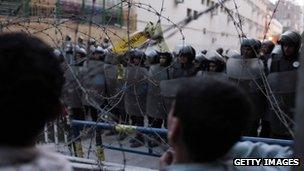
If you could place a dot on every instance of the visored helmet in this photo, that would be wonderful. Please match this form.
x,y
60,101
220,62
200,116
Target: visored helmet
x,y
135,53
81,51
214,56
187,51
291,38
152,56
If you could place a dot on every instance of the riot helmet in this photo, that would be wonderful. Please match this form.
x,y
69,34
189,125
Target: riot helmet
x,y
290,42
204,52
80,39
80,53
99,53
136,57
68,48
201,62
216,63
232,54
58,55
267,47
187,54
250,47
152,56
220,51
165,58
68,38
92,42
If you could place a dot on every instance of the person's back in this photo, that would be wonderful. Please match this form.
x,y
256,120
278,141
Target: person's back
x,y
31,85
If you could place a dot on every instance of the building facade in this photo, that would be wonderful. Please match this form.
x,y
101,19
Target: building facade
x,y
211,30
290,15
42,7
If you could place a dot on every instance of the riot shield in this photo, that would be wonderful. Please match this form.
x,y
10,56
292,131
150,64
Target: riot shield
x,y
244,68
156,106
247,74
71,90
169,89
283,82
135,90
283,87
215,75
114,85
93,80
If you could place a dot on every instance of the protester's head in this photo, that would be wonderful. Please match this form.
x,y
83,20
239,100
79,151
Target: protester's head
x,y
31,85
207,118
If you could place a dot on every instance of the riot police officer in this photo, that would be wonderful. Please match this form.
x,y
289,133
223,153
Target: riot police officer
x,y
220,51
106,43
246,70
136,91
265,54
216,63
92,45
250,48
99,54
185,66
80,43
200,63
93,80
152,57
80,56
156,105
68,49
290,42
283,80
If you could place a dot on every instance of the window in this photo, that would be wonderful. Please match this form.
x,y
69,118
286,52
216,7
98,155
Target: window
x,y
213,40
208,3
203,2
189,11
179,1
212,3
204,30
195,15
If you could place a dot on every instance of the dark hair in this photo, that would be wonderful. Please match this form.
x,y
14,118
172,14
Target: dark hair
x,y
213,115
31,85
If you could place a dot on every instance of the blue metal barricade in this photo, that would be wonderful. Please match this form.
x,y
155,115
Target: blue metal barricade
x,y
160,132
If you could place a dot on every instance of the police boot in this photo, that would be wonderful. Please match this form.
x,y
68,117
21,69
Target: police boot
x,y
154,141
78,149
138,142
122,136
100,153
